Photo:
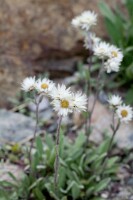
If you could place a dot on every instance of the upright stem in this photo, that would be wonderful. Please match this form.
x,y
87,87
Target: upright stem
x,y
114,129
88,86
35,131
56,165
88,91
96,96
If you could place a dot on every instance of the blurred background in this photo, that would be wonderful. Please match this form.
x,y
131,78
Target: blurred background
x,y
36,36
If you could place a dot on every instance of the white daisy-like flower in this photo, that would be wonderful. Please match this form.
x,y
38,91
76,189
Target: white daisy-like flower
x,y
60,92
102,50
112,65
62,106
65,102
28,84
124,113
91,44
79,102
62,100
85,20
45,86
115,100
115,53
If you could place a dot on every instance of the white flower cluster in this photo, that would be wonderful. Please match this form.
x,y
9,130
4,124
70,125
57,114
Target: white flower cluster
x,y
63,100
110,54
122,111
41,85
85,20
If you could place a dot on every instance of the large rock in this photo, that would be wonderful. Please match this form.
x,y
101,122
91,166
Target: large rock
x,y
33,33
15,127
101,121
5,168
101,125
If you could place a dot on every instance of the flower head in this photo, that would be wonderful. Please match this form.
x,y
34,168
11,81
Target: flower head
x,y
115,53
115,101
79,102
28,84
124,113
65,102
44,86
101,50
60,92
112,65
85,20
62,106
62,100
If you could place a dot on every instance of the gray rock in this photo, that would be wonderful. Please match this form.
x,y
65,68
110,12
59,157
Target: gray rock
x,y
52,128
103,98
125,193
14,127
70,80
14,169
46,114
42,106
130,181
101,121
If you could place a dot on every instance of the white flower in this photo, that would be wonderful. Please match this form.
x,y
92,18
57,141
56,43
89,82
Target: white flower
x,y
28,84
112,65
62,100
115,53
94,41
44,85
79,102
102,50
65,102
115,100
62,106
124,113
85,20
60,92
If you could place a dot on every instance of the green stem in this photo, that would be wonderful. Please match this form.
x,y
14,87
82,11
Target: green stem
x,y
56,165
34,135
88,89
38,100
96,96
114,129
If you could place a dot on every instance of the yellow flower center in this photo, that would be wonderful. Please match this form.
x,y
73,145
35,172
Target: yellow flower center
x,y
124,113
44,86
64,104
114,53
